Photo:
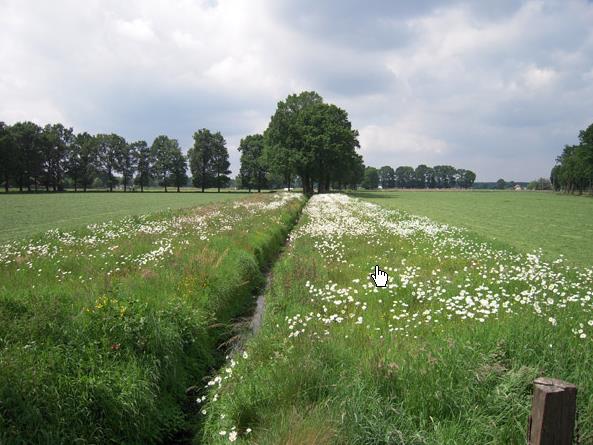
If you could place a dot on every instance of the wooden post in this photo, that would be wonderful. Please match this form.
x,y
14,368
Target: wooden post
x,y
553,412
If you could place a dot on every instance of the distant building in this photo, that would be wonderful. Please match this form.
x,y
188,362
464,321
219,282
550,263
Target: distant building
x,y
517,188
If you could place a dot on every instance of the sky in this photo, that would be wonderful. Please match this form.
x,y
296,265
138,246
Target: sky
x,y
495,86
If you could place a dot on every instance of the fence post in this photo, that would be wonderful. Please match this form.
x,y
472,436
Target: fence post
x,y
553,412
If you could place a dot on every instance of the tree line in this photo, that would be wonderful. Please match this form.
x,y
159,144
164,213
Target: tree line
x,y
423,176
573,172
34,157
307,140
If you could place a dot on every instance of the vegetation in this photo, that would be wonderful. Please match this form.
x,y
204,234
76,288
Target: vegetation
x,y
573,172
253,164
106,331
25,215
445,354
555,223
424,177
54,158
314,140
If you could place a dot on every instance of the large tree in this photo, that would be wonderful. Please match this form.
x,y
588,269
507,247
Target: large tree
x,y
56,141
208,160
371,178
163,150
405,177
145,162
178,168
220,161
109,149
81,160
311,139
128,162
28,163
387,177
7,155
253,163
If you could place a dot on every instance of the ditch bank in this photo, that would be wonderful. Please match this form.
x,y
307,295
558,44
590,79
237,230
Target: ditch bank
x,y
237,321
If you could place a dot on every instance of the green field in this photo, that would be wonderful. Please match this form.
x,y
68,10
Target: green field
x,y
559,224
23,215
107,331
446,354
120,331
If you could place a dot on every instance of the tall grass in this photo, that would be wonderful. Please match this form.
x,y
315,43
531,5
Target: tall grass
x,y
445,355
106,332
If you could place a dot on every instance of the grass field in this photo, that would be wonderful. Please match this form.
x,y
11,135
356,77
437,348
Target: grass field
x,y
446,354
24,214
106,330
556,223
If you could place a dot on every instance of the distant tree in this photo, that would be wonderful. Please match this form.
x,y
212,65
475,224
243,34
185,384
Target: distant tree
x,y
78,161
422,176
7,155
28,163
465,178
220,161
179,168
371,178
405,177
253,164
163,150
540,184
201,157
209,160
145,160
574,167
501,184
87,152
387,177
109,149
55,145
128,162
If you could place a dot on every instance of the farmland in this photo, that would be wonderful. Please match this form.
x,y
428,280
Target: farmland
x,y
23,215
559,224
125,330
105,329
445,354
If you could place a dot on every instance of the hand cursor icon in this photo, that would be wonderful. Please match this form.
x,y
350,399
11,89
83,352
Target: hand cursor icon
x,y
379,277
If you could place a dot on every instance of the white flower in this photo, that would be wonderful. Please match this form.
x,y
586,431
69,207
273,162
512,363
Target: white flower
x,y
232,436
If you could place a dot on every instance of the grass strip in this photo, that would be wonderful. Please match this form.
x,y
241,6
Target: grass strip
x,y
107,331
445,354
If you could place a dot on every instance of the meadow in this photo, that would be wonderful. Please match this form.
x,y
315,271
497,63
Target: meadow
x,y
557,223
24,214
446,354
107,331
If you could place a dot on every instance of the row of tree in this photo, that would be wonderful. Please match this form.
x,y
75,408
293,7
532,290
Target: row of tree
x,y
33,157
573,171
308,139
423,176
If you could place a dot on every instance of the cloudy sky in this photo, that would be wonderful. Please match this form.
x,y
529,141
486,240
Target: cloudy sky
x,y
496,86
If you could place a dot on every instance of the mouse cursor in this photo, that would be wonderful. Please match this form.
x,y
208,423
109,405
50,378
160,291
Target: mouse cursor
x,y
379,277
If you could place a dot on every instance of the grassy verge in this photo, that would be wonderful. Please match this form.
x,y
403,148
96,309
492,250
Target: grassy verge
x,y
445,354
557,223
106,332
24,215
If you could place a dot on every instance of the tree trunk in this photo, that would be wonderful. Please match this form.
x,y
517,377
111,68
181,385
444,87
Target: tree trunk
x,y
109,179
141,185
177,189
6,182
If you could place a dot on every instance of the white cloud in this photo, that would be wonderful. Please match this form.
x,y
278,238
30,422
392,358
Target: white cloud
x,y
137,29
461,83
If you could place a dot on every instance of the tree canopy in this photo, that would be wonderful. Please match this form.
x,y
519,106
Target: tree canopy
x,y
314,140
